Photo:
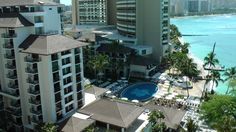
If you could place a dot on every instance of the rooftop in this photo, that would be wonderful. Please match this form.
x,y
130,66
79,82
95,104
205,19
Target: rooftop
x,y
48,44
13,20
76,123
118,114
96,90
145,61
110,48
26,2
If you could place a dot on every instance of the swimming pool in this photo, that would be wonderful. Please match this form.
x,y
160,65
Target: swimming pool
x,y
140,91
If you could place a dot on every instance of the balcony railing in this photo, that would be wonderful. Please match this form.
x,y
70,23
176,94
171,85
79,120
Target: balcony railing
x,y
36,121
9,35
9,56
10,66
34,92
32,81
34,101
15,105
31,70
12,76
14,112
13,85
32,59
36,112
8,46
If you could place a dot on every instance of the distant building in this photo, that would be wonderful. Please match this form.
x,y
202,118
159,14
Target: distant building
x,y
178,7
199,6
93,12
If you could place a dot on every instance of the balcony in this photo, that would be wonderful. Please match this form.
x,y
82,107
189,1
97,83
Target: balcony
x,y
8,46
12,76
10,66
34,101
9,35
15,105
33,91
14,112
36,112
32,59
33,81
12,94
9,56
36,120
13,86
31,70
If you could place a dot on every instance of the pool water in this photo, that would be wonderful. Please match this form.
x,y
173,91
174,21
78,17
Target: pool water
x,y
140,91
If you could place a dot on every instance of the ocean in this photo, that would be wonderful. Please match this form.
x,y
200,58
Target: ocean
x,y
219,29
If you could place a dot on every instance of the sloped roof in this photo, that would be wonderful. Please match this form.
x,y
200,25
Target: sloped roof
x,y
48,44
96,90
25,2
110,48
112,112
74,124
13,20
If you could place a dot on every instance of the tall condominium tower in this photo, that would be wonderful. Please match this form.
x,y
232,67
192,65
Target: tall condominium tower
x,y
147,21
199,6
93,11
41,71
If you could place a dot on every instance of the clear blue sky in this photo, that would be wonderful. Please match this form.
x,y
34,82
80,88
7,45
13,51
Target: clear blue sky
x,y
66,2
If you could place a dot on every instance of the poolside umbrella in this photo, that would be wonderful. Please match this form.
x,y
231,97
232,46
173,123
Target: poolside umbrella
x,y
175,93
108,92
124,98
135,101
113,96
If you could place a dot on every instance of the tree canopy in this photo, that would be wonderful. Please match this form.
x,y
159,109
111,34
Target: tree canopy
x,y
219,112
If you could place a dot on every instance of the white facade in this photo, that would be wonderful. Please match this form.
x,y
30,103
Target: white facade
x,y
31,91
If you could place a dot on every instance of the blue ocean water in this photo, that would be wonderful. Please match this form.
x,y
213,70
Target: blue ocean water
x,y
220,29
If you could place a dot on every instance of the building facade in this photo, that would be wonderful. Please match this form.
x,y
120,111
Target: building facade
x,y
199,6
99,12
40,77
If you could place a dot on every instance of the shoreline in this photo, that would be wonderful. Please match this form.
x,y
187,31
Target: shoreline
x,y
207,15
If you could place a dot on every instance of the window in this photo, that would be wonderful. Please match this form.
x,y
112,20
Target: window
x,y
68,99
56,77
69,108
77,59
66,70
79,96
55,66
68,90
65,52
78,78
79,88
144,52
65,61
67,80
77,68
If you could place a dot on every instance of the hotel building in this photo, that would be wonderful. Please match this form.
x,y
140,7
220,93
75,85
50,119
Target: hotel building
x,y
41,71
99,12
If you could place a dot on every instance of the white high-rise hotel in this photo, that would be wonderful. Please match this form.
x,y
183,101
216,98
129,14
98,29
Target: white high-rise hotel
x,y
40,70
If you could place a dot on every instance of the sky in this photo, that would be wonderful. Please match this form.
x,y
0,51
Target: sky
x,y
66,2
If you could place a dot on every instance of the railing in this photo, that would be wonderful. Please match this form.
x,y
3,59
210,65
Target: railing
x,y
10,56
34,92
8,46
34,101
31,70
32,81
12,85
32,59
10,66
9,35
36,112
12,76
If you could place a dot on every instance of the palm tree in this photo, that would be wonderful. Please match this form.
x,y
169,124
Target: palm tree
x,y
185,48
152,117
230,75
210,60
214,77
191,126
48,127
98,63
